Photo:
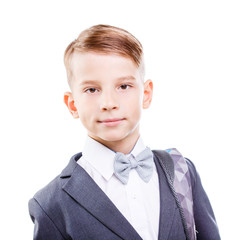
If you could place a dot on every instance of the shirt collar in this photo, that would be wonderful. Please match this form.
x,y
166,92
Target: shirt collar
x,y
102,158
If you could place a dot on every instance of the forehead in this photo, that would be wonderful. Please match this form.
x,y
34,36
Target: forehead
x,y
97,65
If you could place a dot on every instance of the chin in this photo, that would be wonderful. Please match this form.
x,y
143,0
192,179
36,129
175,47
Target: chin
x,y
106,137
118,136
112,138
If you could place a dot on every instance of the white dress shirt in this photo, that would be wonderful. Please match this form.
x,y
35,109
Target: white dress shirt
x,y
137,201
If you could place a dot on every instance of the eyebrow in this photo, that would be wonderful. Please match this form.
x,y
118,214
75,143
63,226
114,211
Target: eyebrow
x,y
126,78
92,82
89,82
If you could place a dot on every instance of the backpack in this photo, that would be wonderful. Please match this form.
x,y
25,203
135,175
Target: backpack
x,y
177,173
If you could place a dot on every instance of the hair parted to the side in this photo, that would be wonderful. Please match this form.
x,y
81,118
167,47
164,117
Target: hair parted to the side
x,y
108,40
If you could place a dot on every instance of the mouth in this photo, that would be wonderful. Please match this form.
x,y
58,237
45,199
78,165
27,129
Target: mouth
x,y
112,122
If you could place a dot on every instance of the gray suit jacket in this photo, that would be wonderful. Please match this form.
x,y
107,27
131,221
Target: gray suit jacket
x,y
72,206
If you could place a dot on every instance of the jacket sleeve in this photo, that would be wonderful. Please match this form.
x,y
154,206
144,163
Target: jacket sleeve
x,y
205,221
44,227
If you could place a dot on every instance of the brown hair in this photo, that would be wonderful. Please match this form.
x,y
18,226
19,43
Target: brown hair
x,y
106,39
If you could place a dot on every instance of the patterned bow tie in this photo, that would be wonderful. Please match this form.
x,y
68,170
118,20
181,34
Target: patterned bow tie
x,y
143,163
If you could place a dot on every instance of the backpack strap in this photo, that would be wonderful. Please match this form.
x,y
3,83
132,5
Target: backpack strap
x,y
177,173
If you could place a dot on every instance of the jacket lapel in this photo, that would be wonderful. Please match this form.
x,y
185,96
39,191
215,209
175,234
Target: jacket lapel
x,y
87,193
167,204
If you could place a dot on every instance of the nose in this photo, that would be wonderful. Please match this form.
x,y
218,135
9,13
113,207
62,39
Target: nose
x,y
109,101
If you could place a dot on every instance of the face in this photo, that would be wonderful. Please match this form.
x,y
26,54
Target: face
x,y
108,95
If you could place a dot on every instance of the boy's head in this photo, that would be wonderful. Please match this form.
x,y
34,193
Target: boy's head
x,y
108,40
105,73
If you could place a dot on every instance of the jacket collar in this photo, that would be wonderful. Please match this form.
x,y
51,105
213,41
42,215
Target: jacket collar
x,y
87,193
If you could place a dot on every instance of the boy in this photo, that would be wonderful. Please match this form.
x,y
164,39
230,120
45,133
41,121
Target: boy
x,y
95,197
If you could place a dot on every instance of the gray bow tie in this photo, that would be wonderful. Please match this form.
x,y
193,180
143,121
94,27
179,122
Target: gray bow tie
x,y
143,163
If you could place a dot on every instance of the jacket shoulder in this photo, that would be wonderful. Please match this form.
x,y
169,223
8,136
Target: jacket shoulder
x,y
51,195
46,208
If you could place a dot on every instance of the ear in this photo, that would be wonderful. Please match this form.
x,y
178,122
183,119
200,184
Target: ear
x,y
68,100
147,95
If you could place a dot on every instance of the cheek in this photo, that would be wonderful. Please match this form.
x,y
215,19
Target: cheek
x,y
136,100
134,106
87,111
84,105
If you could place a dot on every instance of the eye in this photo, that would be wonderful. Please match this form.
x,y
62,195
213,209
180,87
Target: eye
x,y
124,86
91,90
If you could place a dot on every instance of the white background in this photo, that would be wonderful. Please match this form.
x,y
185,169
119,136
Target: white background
x,y
192,53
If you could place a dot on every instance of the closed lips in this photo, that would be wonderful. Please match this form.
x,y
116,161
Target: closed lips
x,y
112,120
